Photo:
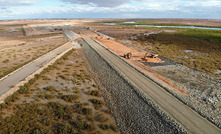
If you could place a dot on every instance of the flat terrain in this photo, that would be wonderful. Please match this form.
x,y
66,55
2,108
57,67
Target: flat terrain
x,y
17,49
62,99
65,99
181,53
192,22
188,118
29,69
197,49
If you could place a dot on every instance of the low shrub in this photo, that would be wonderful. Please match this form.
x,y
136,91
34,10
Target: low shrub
x,y
49,96
95,93
86,111
83,125
24,89
100,117
70,98
64,129
47,122
104,126
50,88
97,103
12,98
114,128
6,61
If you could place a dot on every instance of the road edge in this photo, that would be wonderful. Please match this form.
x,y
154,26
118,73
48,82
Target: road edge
x,y
16,87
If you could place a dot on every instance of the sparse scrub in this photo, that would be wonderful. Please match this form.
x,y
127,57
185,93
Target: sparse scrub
x,y
6,61
24,89
204,46
97,103
104,126
82,125
96,93
63,77
35,114
50,88
48,122
66,89
49,96
12,98
64,129
86,111
70,98
46,78
100,117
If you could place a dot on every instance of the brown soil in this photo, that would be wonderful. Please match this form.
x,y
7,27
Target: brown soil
x,y
74,81
121,49
17,50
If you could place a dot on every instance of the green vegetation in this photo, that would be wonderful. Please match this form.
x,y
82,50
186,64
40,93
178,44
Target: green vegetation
x,y
2,30
207,35
6,61
34,117
100,117
64,129
104,126
34,109
97,103
50,89
49,96
197,49
6,72
204,46
95,93
70,98
154,24
82,125
114,128
86,111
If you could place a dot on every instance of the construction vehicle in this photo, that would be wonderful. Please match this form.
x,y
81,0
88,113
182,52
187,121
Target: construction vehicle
x,y
127,55
151,55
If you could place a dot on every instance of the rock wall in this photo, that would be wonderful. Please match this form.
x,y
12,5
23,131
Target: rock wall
x,y
207,109
133,112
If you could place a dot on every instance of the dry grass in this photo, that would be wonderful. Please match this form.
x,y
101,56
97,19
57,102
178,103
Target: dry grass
x,y
205,54
200,54
45,106
18,51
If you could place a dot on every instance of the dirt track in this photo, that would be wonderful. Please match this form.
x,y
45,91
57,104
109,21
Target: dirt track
x,y
184,115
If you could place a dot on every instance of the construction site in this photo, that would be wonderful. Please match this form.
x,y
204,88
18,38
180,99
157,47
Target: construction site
x,y
92,78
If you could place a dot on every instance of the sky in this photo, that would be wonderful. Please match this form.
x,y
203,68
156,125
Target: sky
x,y
41,9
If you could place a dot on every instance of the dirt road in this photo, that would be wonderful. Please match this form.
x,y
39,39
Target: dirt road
x,y
185,116
30,68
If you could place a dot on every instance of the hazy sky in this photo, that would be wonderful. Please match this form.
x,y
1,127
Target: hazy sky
x,y
29,9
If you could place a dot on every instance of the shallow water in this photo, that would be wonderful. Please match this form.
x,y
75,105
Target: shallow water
x,y
159,26
190,27
188,51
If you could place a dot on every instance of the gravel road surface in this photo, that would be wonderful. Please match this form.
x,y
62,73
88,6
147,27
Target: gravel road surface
x,y
30,68
71,35
185,116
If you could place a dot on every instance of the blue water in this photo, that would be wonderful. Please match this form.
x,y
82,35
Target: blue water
x,y
158,26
